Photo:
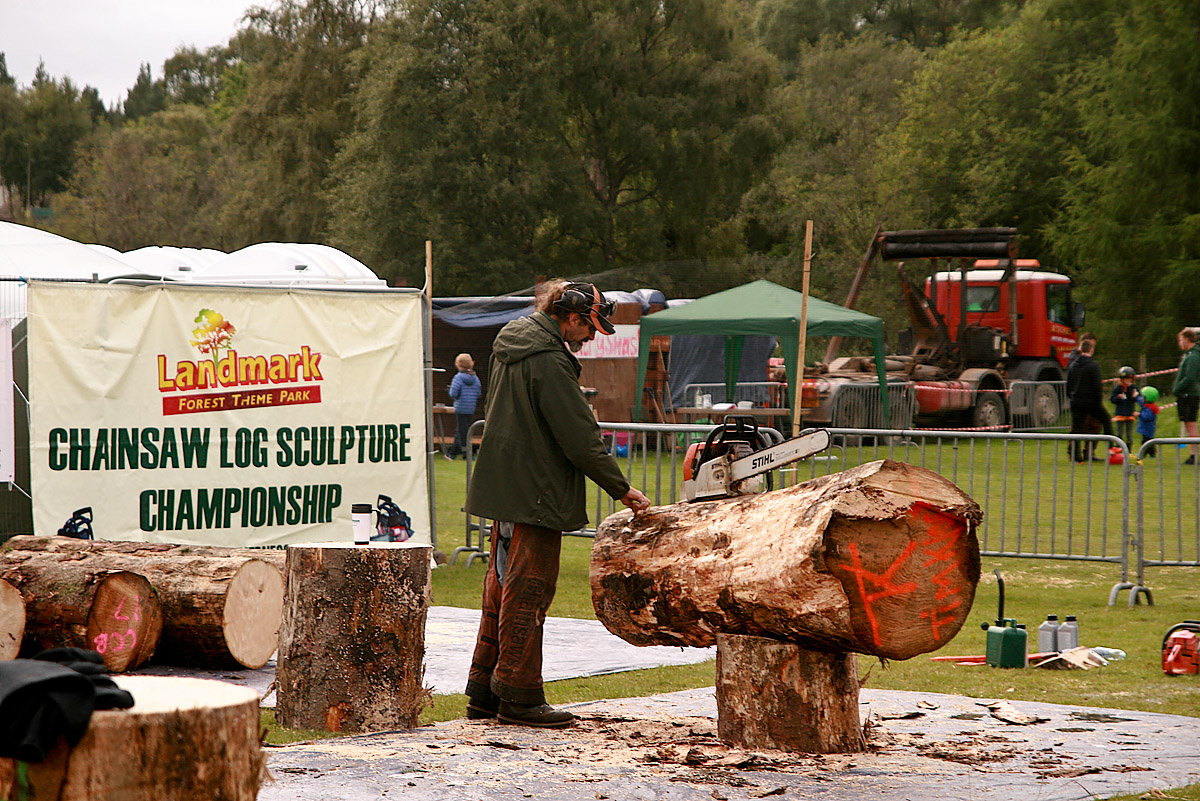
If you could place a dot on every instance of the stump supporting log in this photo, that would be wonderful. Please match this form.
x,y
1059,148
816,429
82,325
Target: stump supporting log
x,y
221,607
183,740
773,694
879,559
352,646
73,603
12,620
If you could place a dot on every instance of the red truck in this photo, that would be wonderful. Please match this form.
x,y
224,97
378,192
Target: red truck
x,y
992,358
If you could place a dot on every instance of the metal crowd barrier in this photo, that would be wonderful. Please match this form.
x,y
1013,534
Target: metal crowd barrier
x,y
1038,502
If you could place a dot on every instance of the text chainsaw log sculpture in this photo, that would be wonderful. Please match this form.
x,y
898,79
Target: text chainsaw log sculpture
x,y
881,559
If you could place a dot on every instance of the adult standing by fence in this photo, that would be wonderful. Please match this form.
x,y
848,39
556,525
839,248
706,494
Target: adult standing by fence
x,y
1187,386
465,390
1085,393
539,442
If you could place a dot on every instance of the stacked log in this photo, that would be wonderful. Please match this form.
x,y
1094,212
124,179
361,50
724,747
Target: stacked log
x,y
221,607
82,605
12,620
881,559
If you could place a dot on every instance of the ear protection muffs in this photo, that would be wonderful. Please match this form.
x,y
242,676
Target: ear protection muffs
x,y
581,299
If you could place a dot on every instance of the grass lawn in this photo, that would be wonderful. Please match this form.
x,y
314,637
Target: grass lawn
x,y
1042,500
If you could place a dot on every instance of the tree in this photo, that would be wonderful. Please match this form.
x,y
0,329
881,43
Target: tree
x,y
531,136
287,107
989,122
151,182
1130,223
190,76
844,97
53,120
146,97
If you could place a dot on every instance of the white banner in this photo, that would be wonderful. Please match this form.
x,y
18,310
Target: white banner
x,y
224,416
8,441
621,344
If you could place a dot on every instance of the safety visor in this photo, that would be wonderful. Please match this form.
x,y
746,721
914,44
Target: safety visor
x,y
601,310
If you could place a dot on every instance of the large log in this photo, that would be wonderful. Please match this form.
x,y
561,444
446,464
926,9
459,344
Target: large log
x,y
880,559
221,607
76,604
352,646
12,620
183,740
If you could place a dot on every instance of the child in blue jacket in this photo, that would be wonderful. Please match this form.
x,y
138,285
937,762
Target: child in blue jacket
x,y
465,389
1125,398
1148,417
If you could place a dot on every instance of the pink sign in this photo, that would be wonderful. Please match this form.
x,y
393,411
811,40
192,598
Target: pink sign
x,y
621,345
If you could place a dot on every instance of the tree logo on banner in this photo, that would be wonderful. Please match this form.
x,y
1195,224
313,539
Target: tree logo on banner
x,y
214,333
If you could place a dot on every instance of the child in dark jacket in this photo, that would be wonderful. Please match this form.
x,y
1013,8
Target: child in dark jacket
x,y
1125,398
1148,417
465,389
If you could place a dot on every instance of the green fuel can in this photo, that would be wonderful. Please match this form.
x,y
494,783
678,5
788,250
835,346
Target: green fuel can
x,y
1006,644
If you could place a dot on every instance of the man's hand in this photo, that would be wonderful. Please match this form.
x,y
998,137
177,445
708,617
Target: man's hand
x,y
635,500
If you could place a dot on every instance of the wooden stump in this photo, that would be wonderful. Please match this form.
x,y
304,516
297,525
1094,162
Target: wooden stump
x,y
221,607
880,559
183,740
352,646
773,694
12,620
73,603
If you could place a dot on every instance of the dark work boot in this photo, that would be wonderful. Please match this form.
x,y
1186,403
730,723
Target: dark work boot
x,y
481,709
542,716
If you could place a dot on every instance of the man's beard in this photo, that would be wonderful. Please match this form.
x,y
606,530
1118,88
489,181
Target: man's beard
x,y
575,347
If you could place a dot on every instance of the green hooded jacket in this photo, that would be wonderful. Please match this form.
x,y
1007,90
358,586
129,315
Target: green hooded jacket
x,y
1187,381
540,438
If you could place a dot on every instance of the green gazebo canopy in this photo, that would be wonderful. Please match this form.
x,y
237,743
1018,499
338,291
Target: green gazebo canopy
x,y
756,309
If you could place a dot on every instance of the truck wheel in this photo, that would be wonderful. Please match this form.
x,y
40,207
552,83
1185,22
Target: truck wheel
x,y
989,411
1046,410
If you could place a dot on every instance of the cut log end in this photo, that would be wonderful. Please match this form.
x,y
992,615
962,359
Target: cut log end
x,y
125,621
910,580
12,621
253,612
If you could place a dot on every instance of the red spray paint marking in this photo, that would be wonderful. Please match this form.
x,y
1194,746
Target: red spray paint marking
x,y
943,533
102,641
883,581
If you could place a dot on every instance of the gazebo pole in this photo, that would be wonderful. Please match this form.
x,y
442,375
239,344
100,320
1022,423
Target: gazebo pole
x,y
798,395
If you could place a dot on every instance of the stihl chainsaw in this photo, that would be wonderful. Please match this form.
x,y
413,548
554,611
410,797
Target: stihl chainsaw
x,y
737,458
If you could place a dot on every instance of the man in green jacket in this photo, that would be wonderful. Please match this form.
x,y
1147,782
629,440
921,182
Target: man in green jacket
x,y
540,443
1187,386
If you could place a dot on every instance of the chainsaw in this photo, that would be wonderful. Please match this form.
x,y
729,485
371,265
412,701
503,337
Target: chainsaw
x,y
737,458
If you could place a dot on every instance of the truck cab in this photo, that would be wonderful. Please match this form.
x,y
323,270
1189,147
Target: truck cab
x,y
1046,317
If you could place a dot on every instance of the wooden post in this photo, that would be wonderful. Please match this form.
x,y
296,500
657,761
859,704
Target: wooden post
x,y
797,408
352,646
183,740
773,694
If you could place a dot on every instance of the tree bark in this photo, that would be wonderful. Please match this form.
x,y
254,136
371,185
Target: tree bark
x,y
222,607
352,646
183,740
880,559
773,694
12,620
82,605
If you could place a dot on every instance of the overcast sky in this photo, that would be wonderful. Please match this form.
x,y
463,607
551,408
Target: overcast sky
x,y
102,43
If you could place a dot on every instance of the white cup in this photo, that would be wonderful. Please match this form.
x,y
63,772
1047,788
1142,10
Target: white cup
x,y
361,521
